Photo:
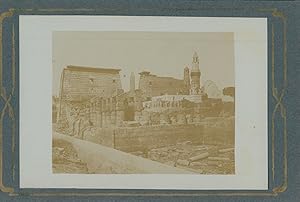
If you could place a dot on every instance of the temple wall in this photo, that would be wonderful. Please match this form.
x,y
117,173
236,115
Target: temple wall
x,y
153,85
80,84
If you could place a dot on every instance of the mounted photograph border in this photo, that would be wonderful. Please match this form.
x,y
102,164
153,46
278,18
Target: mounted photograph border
x,y
278,165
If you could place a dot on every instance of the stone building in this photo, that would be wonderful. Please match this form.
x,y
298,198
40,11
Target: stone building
x,y
93,97
195,76
164,102
153,85
132,81
82,83
186,79
114,111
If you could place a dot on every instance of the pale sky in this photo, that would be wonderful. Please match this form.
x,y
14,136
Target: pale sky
x,y
161,53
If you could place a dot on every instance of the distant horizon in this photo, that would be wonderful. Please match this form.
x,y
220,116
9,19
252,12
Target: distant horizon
x,y
156,52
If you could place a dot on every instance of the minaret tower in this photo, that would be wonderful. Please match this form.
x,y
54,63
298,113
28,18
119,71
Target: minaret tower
x,y
186,80
132,82
195,76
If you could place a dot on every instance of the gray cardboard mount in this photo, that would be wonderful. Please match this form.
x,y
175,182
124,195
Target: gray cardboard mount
x,y
283,95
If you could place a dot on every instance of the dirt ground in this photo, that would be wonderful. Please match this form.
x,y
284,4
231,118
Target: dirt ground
x,y
202,159
65,159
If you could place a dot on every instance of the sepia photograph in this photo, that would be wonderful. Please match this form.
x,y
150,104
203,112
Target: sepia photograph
x,y
143,102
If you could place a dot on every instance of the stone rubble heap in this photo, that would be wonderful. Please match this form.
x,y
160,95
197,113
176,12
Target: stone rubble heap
x,y
65,159
204,159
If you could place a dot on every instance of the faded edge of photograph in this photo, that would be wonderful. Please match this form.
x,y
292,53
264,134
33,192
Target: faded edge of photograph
x,y
143,102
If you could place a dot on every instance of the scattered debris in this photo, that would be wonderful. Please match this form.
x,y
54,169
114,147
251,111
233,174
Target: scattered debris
x,y
213,163
183,162
199,157
201,149
226,150
198,164
218,159
65,159
204,159
186,142
60,149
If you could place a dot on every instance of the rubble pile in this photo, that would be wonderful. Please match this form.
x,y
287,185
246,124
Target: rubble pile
x,y
204,159
65,158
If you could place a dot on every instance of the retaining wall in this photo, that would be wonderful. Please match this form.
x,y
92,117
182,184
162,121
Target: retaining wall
x,y
210,131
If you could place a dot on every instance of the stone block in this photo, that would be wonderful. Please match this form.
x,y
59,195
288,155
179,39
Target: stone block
x,y
199,157
183,162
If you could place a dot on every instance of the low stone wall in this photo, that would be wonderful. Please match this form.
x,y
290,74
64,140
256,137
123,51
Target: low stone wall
x,y
219,131
129,139
149,137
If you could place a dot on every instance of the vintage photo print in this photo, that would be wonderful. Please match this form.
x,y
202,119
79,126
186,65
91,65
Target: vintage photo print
x,y
150,102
